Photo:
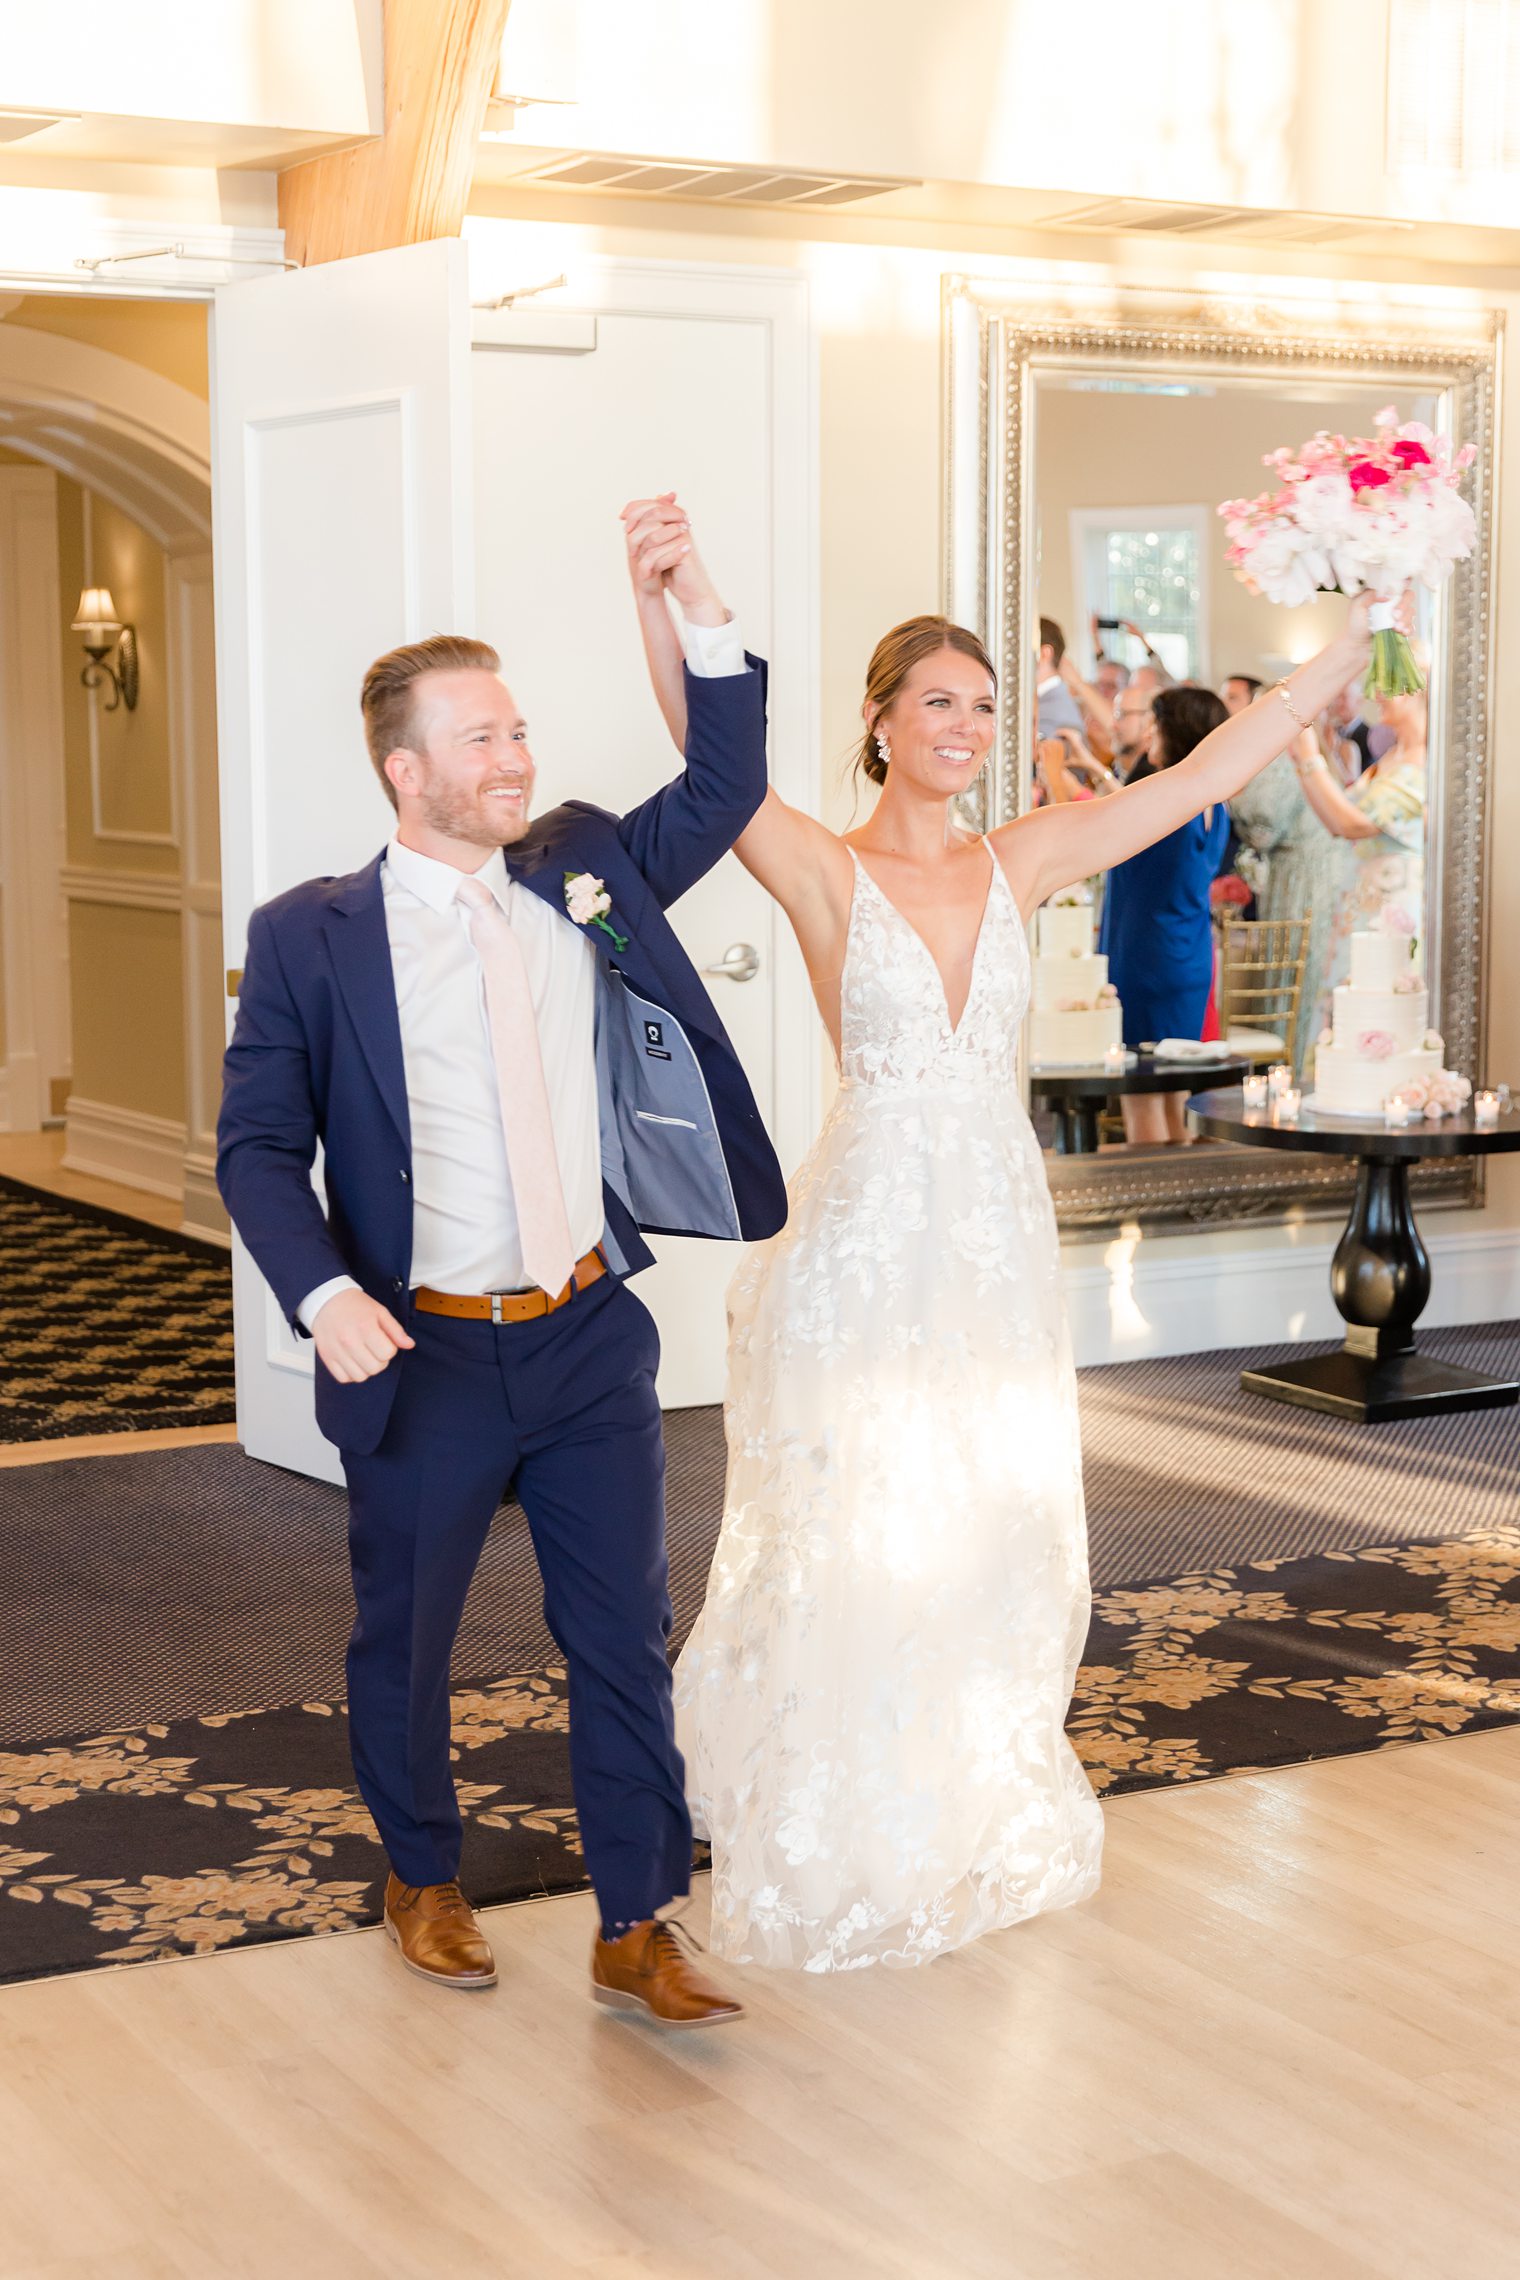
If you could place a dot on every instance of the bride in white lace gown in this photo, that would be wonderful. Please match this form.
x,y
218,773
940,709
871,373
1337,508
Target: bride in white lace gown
x,y
872,1701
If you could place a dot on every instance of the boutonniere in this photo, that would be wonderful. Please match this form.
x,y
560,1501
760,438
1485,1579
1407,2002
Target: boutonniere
x,y
588,902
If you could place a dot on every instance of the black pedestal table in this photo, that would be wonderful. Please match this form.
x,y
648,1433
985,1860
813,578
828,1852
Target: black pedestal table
x,y
1380,1274
1078,1093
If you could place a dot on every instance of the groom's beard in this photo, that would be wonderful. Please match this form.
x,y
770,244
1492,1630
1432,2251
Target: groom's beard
x,y
476,818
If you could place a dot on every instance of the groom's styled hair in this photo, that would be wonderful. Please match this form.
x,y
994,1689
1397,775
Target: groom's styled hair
x,y
387,696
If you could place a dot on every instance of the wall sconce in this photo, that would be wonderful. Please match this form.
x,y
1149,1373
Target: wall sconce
x,y
104,632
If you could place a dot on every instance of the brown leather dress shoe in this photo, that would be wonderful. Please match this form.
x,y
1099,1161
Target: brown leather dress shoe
x,y
434,1927
651,1969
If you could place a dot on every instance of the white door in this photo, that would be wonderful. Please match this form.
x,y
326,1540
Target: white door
x,y
341,495
697,381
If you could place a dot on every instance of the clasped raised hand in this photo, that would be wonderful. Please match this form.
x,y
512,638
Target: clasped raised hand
x,y
662,556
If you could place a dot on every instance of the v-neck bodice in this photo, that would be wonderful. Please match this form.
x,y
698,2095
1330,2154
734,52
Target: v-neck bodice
x,y
894,1018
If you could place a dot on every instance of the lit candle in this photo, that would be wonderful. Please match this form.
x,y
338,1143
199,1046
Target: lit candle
x,y
1255,1090
1280,1078
1485,1110
1287,1104
1397,1113
1115,1057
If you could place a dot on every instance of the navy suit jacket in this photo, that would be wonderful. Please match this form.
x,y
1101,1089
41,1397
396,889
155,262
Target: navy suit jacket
x,y
316,1052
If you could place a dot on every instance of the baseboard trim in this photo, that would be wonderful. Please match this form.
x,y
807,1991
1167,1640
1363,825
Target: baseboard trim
x,y
205,1214
124,1145
1138,1305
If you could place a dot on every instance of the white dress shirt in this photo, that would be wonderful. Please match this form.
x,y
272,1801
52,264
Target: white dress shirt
x,y
464,1216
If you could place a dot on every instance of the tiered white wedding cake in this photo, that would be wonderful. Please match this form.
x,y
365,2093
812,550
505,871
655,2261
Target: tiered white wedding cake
x,y
1378,1041
1076,1013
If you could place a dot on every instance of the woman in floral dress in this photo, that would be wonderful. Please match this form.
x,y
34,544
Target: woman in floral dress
x,y
1381,821
1294,868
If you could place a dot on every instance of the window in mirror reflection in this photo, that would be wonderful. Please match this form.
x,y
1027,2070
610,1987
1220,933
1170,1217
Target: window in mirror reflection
x,y
1147,574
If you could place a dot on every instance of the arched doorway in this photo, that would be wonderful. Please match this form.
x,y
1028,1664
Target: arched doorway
x,y
112,869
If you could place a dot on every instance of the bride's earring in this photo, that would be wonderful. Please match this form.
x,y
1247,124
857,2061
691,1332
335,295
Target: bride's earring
x,y
884,747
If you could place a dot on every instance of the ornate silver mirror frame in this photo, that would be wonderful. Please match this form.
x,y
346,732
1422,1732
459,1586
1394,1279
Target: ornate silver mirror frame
x,y
997,343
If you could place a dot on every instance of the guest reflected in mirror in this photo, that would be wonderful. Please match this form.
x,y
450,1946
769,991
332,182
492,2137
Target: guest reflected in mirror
x,y
1377,828
1156,931
1109,677
1155,673
1068,770
1353,732
1134,726
1055,706
1291,865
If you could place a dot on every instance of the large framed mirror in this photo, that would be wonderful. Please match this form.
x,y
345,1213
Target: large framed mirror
x,y
1087,447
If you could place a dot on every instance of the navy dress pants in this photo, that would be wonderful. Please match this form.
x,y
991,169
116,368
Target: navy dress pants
x,y
562,1410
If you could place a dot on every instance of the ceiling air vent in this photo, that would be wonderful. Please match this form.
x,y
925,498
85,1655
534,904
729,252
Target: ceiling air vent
x,y
1110,214
728,185
1235,223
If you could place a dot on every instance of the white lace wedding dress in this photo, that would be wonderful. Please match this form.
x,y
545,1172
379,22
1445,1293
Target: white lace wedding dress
x,y
871,1703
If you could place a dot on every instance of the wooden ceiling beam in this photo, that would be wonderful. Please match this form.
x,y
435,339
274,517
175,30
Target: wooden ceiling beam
x,y
441,60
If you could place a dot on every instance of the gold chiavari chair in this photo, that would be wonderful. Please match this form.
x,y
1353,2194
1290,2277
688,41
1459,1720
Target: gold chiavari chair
x,y
1261,983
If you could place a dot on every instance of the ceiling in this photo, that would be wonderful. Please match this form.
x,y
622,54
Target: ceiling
x,y
570,177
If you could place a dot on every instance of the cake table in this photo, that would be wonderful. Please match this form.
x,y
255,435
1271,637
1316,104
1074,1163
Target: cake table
x,y
1078,1093
1380,1274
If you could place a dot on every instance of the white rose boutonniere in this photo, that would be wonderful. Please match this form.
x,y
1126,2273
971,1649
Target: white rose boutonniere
x,y
588,903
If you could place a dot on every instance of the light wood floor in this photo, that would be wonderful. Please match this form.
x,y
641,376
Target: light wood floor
x,y
1282,2044
37,1158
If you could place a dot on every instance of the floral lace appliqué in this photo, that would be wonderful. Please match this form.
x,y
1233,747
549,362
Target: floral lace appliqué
x,y
872,1703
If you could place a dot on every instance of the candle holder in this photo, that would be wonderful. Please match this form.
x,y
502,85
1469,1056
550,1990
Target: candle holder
x,y
1397,1113
1287,1103
1115,1058
1254,1088
1280,1078
1485,1110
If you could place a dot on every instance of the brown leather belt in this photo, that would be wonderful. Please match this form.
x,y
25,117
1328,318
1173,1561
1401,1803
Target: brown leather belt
x,y
509,1305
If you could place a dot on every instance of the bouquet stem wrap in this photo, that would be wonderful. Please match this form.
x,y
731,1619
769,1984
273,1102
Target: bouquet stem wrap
x,y
1392,671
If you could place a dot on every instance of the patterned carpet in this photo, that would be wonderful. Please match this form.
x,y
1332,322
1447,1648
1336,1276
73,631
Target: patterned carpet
x,y
238,1829
1323,1588
107,1325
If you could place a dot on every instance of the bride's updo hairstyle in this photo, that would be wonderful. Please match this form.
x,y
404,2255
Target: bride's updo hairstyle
x,y
894,658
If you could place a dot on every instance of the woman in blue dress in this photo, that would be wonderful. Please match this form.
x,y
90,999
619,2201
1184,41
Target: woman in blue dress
x,y
1156,931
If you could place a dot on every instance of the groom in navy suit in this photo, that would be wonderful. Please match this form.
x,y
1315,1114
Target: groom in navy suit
x,y
512,1069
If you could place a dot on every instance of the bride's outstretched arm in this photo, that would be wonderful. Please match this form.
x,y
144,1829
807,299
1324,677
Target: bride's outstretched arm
x,y
1056,846
795,858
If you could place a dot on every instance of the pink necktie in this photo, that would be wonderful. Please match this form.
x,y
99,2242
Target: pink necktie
x,y
543,1226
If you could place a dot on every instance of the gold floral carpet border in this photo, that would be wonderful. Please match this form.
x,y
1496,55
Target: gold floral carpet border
x,y
227,1831
107,1325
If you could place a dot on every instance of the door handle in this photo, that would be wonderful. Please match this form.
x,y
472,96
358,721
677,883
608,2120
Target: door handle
x,y
741,963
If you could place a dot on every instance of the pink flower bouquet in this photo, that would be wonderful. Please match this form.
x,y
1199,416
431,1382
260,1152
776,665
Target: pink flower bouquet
x,y
1356,511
